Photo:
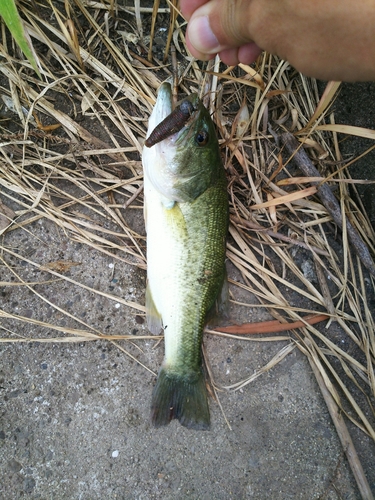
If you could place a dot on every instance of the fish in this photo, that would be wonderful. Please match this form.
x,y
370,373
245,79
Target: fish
x,y
186,217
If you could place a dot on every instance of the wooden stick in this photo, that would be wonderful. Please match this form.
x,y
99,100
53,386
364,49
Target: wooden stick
x,y
295,150
133,196
256,227
153,23
343,433
324,289
272,326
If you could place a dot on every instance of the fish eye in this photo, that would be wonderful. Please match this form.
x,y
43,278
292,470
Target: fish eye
x,y
201,138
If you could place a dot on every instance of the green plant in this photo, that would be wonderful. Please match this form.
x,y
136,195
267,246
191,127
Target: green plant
x,y
9,12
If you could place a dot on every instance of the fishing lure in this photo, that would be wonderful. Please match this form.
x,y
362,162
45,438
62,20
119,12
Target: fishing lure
x,y
172,124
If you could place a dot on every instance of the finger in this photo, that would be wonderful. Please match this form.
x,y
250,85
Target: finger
x,y
202,56
188,7
230,56
220,24
249,53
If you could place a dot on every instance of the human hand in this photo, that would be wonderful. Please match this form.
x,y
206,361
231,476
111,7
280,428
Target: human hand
x,y
326,39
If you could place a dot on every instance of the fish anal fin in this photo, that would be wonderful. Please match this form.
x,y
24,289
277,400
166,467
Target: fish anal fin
x,y
180,396
154,322
220,309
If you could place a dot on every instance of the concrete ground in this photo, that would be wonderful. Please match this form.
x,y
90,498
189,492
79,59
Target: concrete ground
x,y
74,421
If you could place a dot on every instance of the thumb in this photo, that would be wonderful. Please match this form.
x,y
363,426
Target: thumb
x,y
218,25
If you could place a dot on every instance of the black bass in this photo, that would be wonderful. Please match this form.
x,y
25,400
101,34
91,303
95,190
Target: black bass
x,y
186,215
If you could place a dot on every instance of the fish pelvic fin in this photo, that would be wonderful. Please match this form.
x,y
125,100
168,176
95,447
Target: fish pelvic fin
x,y
154,323
180,396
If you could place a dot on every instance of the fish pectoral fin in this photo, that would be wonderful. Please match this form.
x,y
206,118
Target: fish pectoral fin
x,y
180,396
220,309
154,322
167,203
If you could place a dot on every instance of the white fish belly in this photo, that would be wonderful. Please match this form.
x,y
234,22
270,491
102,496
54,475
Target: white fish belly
x,y
167,269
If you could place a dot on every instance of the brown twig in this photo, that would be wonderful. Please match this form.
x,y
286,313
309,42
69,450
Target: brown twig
x,y
272,326
172,20
294,149
343,433
256,227
324,288
175,77
152,30
133,196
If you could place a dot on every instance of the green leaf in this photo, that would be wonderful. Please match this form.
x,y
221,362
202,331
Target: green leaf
x,y
9,12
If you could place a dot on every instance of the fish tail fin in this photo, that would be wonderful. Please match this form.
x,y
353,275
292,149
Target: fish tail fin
x,y
183,397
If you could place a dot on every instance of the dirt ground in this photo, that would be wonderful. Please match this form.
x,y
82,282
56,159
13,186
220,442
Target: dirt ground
x,y
355,106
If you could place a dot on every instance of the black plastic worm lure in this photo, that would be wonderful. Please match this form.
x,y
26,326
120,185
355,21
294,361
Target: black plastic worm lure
x,y
172,124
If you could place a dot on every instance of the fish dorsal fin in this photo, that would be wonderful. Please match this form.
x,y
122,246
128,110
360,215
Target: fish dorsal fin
x,y
154,322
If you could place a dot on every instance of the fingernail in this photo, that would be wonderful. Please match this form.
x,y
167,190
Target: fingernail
x,y
202,37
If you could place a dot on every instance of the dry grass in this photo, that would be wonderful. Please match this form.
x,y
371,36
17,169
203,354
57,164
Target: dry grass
x,y
97,63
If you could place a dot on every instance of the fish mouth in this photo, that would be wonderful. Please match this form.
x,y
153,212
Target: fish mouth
x,y
164,149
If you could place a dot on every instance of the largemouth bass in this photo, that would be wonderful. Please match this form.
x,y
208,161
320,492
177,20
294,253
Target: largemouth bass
x,y
186,215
